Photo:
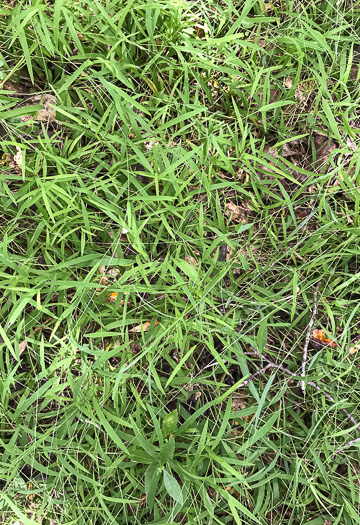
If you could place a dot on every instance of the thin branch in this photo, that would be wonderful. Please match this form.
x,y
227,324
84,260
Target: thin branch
x,y
310,383
252,377
326,394
307,339
345,446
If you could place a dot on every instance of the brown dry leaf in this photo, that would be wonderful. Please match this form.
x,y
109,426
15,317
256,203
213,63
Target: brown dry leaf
x,y
191,260
22,346
13,86
304,92
354,72
202,31
274,95
108,276
232,211
319,336
288,83
47,114
351,144
238,402
354,349
293,149
135,348
323,149
143,327
264,171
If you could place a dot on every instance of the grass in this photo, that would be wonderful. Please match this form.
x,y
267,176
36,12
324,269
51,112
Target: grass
x,y
176,178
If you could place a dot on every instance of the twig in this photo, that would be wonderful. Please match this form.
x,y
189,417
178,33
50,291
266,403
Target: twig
x,y
326,394
261,371
307,339
310,383
345,446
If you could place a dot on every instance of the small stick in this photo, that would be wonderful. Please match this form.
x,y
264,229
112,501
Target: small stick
x,y
245,383
326,394
307,339
310,383
345,446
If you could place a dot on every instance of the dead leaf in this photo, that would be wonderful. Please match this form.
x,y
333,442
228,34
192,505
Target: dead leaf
x,y
238,402
288,83
274,95
135,348
143,327
354,72
113,296
15,87
191,260
232,211
323,147
22,346
18,158
354,349
305,92
149,145
319,336
47,114
107,276
351,144
292,149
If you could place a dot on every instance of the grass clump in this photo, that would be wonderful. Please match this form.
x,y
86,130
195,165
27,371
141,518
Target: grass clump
x,y
176,178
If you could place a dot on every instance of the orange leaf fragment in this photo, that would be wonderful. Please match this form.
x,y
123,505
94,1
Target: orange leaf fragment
x,y
113,297
320,336
354,349
143,327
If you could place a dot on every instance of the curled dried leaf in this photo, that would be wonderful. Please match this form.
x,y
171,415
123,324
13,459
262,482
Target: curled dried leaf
x,y
320,337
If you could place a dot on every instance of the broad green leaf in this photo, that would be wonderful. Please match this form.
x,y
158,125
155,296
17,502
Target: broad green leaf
x,y
170,423
167,451
173,487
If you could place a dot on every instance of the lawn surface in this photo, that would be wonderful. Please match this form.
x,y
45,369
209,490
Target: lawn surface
x,y
177,179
